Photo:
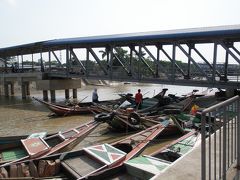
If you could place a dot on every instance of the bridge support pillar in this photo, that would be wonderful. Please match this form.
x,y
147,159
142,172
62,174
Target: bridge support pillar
x,y
74,93
53,95
24,90
12,88
28,88
45,95
66,93
6,90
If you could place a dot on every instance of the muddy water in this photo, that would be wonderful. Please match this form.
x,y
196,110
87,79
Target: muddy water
x,y
18,117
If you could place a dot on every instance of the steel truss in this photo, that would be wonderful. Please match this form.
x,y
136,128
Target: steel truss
x,y
146,62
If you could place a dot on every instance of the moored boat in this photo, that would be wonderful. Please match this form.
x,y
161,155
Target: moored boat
x,y
88,161
129,120
77,109
34,147
63,110
149,166
147,103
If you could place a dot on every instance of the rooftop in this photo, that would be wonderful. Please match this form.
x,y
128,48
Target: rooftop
x,y
193,35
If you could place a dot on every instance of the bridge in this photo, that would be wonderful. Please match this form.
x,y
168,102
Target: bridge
x,y
149,57
192,57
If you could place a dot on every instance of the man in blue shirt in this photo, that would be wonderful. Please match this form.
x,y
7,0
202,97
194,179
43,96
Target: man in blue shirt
x,y
95,96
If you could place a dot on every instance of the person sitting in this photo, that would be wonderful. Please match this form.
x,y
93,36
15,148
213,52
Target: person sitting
x,y
95,96
138,99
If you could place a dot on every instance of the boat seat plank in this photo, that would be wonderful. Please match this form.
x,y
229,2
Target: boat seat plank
x,y
105,153
143,135
35,146
146,167
82,165
76,131
68,134
82,127
61,136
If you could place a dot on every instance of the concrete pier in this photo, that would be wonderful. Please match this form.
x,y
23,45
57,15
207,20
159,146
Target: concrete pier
x,y
74,93
59,84
45,95
27,88
6,90
53,95
66,93
24,90
23,80
12,88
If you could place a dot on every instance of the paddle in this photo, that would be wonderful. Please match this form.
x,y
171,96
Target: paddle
x,y
83,99
146,93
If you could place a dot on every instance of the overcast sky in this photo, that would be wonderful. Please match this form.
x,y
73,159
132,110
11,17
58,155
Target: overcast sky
x,y
26,21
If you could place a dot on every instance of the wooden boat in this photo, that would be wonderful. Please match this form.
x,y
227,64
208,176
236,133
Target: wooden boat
x,y
129,120
63,110
157,100
88,161
173,108
31,148
136,122
81,108
149,166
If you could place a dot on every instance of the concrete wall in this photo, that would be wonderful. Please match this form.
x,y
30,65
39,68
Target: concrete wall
x,y
58,84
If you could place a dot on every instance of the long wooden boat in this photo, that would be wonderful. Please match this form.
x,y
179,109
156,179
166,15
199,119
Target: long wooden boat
x,y
88,161
80,108
149,166
31,148
63,110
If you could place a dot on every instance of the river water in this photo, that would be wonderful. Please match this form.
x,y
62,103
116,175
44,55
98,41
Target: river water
x,y
18,117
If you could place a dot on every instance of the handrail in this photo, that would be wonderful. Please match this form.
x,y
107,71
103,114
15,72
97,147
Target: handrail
x,y
219,105
222,147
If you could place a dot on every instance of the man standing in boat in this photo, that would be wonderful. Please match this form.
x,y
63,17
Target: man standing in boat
x,y
138,99
95,96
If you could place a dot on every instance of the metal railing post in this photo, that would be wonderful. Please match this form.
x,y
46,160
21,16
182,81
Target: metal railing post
x,y
224,144
203,146
238,134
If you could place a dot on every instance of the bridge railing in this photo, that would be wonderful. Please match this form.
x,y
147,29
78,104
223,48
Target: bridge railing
x,y
222,147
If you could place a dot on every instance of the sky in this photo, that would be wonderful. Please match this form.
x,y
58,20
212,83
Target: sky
x,y
27,21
